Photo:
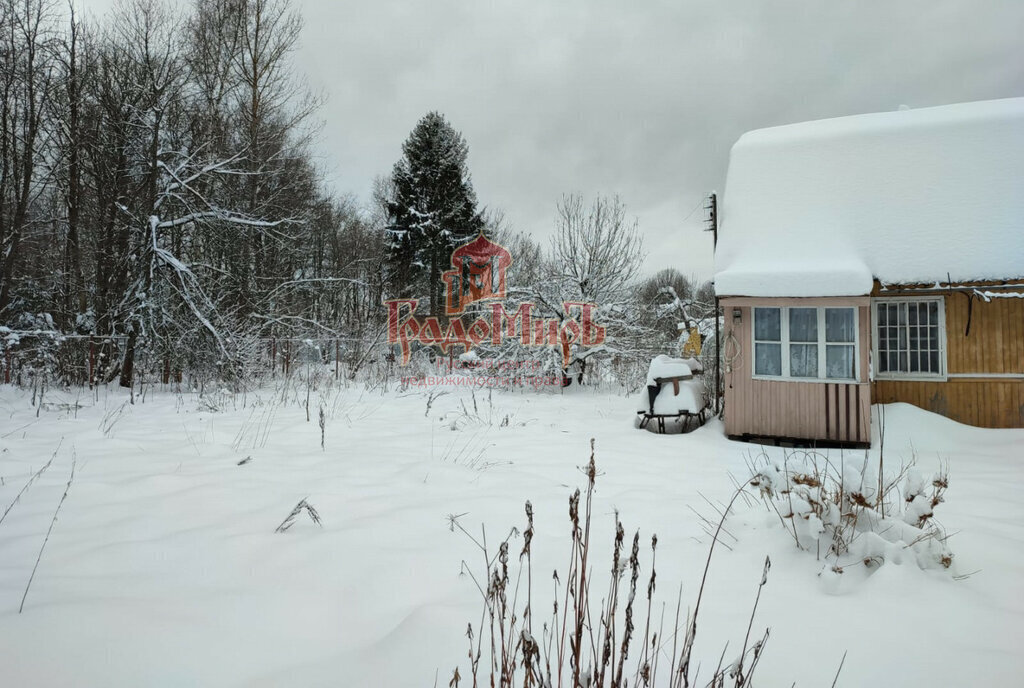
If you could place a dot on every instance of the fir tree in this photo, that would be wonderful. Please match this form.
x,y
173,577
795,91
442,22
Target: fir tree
x,y
432,209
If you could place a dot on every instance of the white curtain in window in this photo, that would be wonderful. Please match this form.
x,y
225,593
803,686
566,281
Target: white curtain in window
x,y
839,360
768,359
803,360
767,324
768,329
803,327
803,324
839,325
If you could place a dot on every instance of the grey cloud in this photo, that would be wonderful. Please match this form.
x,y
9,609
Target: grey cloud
x,y
643,99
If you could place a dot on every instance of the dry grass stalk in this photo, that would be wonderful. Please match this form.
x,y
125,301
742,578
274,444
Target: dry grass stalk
x,y
323,428
289,521
32,479
53,522
579,647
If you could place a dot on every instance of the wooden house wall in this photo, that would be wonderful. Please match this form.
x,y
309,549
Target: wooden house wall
x,y
990,357
789,409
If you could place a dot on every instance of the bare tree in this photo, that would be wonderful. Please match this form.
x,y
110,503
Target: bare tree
x,y
596,250
26,32
672,304
594,257
158,191
75,67
172,189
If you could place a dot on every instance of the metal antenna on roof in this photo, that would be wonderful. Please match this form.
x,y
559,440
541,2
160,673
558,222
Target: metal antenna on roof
x,y
712,208
712,220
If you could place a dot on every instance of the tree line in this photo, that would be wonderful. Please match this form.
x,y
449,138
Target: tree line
x,y
158,197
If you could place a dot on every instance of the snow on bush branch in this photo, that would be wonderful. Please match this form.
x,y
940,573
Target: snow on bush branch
x,y
844,512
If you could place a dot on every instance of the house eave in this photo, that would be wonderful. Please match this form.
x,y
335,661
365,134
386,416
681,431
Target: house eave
x,y
1009,283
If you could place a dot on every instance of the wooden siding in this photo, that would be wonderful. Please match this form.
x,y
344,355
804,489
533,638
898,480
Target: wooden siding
x,y
994,346
991,354
988,403
995,343
786,409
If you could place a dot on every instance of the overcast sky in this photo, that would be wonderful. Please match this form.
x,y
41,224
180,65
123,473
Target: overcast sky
x,y
642,99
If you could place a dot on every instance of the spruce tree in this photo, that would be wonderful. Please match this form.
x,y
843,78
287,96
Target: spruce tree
x,y
432,209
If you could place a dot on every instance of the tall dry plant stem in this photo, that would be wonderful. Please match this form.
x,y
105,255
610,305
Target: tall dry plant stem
x,y
53,522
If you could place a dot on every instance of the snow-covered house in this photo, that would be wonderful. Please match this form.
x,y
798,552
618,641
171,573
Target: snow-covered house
x,y
873,259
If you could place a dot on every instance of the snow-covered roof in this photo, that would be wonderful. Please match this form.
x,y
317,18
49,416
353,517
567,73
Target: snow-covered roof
x,y
822,208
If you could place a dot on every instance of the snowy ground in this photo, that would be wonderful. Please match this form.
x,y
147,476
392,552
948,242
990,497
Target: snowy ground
x,y
164,569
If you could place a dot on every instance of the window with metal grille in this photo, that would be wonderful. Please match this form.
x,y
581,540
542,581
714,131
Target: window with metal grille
x,y
909,338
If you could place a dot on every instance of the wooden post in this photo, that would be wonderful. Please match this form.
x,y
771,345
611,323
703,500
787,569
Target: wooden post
x,y
718,360
92,361
337,356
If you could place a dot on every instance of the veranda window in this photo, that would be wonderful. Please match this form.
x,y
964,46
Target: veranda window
x,y
840,343
767,341
805,343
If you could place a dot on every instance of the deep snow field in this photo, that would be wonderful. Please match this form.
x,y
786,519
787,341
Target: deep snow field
x,y
163,568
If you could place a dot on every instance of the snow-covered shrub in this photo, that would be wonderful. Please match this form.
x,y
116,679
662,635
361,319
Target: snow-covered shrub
x,y
844,511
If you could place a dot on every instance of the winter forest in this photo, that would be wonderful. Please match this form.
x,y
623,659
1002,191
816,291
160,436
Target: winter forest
x,y
162,213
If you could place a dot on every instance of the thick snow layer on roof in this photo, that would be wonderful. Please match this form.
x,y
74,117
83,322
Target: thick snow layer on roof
x,y
822,208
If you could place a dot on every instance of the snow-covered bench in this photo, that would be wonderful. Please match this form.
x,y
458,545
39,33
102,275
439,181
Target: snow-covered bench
x,y
673,392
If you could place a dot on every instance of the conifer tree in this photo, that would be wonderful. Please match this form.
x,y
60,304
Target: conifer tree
x,y
432,209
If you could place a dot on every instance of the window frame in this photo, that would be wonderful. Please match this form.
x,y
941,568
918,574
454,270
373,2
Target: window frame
x,y
918,376
821,343
782,342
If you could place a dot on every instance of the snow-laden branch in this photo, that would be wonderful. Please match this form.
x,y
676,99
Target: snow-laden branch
x,y
186,277
185,183
987,296
284,319
316,280
225,216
